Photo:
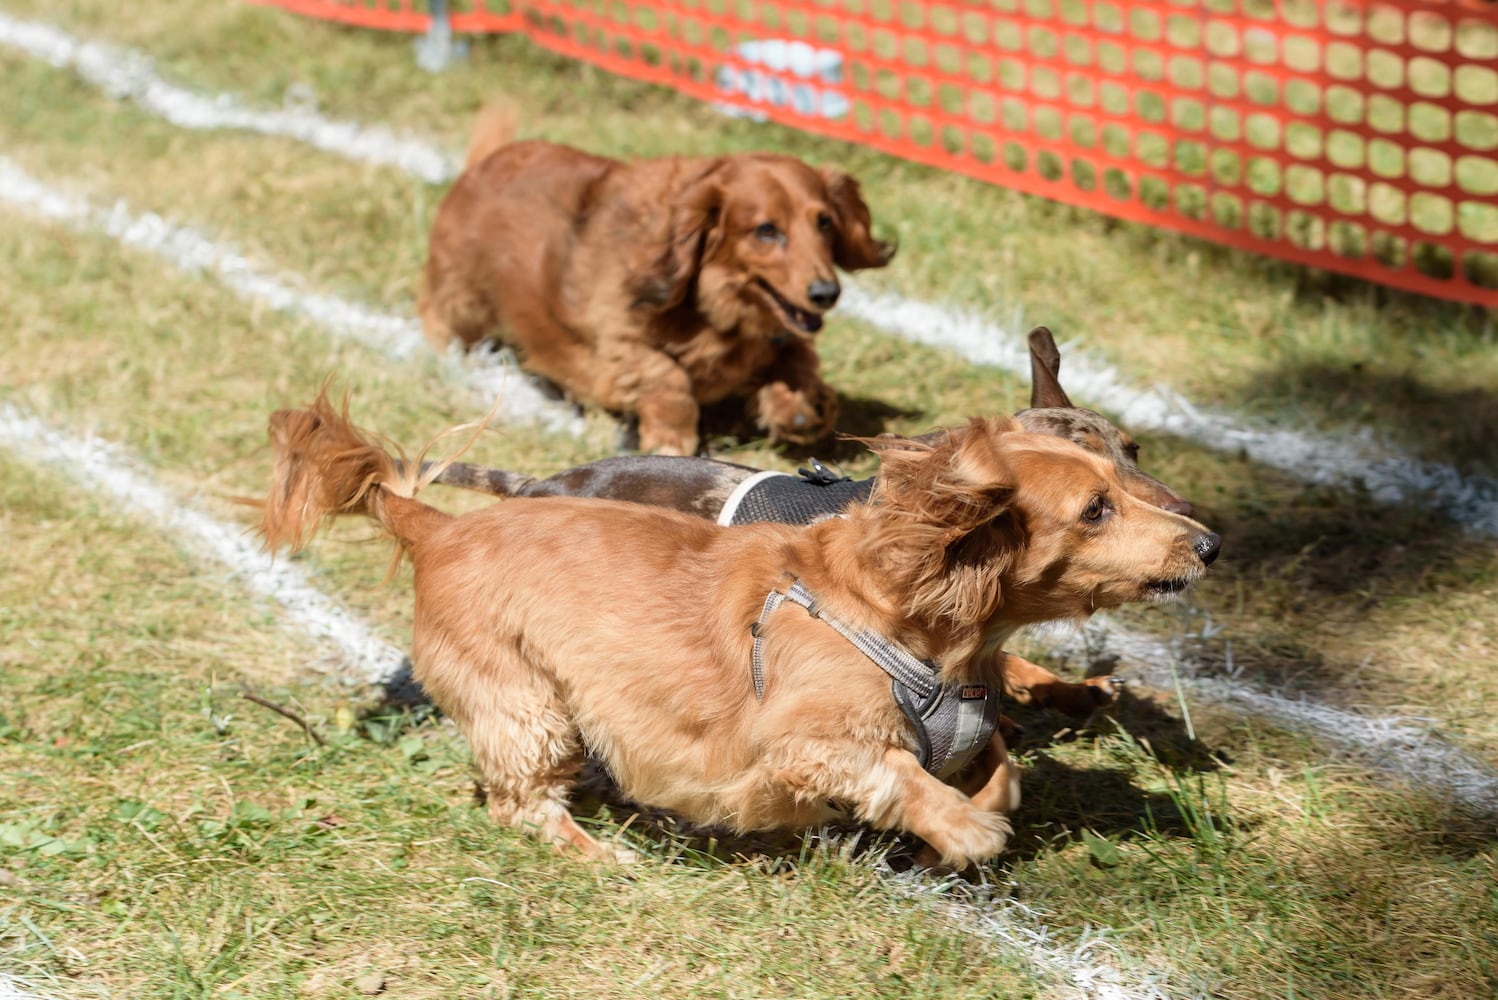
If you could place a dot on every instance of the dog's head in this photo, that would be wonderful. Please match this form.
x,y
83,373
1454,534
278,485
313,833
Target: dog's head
x,y
1052,412
756,240
995,525
1088,541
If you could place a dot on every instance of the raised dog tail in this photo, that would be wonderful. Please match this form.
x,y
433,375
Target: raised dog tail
x,y
496,126
324,466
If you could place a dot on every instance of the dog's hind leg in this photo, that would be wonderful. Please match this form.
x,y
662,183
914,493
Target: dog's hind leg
x,y
524,744
999,790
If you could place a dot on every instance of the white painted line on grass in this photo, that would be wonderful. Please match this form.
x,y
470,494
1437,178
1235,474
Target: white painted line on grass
x,y
1404,746
488,375
129,74
101,467
1079,963
10,989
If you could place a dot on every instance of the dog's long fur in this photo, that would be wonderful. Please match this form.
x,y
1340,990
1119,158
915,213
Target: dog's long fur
x,y
701,486
548,625
651,287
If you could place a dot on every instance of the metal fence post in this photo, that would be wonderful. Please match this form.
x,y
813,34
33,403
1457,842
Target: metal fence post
x,y
438,49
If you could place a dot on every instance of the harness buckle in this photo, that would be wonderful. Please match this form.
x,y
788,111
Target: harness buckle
x,y
819,474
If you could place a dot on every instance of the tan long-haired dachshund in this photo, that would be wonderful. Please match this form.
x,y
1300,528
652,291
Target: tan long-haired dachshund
x,y
548,626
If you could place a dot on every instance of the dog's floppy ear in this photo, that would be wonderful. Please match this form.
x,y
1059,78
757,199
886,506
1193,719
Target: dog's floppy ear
x,y
692,234
950,486
929,502
854,246
1045,372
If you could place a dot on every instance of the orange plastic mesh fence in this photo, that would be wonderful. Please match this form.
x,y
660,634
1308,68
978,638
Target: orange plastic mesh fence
x,y
1357,137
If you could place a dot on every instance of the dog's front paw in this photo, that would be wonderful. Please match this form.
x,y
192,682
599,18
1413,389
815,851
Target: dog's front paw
x,y
666,441
615,852
1080,700
979,836
1105,690
800,416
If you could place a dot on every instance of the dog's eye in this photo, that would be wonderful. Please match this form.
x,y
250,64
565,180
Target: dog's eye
x,y
1132,450
1096,508
824,222
767,232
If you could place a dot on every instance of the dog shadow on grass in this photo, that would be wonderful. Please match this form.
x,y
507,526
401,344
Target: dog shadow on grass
x,y
1327,542
1451,427
1316,560
1061,799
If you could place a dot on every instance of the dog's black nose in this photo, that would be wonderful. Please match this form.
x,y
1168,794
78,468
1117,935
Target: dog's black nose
x,y
1178,506
1207,546
823,294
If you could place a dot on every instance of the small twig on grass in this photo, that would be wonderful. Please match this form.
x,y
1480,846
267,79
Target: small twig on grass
x,y
317,737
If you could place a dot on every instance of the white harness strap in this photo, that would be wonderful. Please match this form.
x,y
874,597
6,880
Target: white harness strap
x,y
953,722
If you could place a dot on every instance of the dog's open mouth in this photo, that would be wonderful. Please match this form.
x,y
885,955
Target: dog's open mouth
x,y
802,320
1159,589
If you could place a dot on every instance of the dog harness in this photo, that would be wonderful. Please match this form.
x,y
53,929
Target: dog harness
x,y
953,722
815,494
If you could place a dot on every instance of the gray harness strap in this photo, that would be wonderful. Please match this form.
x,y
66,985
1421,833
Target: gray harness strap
x,y
953,722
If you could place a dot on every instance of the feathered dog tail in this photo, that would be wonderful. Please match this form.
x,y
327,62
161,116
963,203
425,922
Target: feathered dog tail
x,y
496,126
324,467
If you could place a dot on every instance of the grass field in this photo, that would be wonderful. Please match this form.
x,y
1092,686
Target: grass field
x,y
160,835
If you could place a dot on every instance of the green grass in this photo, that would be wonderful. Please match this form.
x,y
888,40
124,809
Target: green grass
x,y
165,837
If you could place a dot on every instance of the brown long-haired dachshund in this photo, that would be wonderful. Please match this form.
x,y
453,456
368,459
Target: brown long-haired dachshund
x,y
652,287
544,626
